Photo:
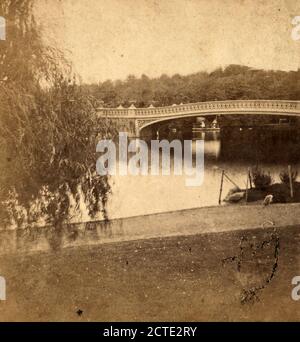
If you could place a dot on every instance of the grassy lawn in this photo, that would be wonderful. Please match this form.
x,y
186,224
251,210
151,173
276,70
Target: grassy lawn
x,y
200,277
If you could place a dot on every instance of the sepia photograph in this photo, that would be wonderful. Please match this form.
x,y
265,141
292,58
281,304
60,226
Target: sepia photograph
x,y
149,163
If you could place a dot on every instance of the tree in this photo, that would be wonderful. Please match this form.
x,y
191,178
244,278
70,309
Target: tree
x,y
235,82
48,129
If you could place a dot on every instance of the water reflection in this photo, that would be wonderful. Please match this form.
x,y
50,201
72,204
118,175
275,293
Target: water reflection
x,y
212,144
232,149
260,145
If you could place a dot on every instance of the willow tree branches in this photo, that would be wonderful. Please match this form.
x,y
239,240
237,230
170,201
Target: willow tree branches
x,y
48,128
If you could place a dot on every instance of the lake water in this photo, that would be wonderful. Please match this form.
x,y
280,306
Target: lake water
x,y
232,149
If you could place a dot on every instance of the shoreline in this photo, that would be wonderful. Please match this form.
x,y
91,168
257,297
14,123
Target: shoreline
x,y
185,222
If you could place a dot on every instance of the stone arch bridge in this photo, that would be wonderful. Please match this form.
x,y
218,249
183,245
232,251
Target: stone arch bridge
x,y
133,120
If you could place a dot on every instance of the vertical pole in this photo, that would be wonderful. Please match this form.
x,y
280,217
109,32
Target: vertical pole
x,y
291,181
221,186
247,186
250,179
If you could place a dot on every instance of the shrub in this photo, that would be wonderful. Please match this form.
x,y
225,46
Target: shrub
x,y
261,179
284,176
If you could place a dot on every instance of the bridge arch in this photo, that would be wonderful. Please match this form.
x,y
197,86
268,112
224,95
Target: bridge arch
x,y
149,123
144,117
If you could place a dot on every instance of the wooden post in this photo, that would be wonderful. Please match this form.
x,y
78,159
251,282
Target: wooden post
x,y
247,186
250,179
221,186
291,181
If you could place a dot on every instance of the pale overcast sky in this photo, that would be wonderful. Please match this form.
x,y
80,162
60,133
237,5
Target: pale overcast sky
x,y
109,39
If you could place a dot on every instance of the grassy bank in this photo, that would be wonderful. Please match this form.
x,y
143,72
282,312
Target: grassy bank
x,y
198,277
281,194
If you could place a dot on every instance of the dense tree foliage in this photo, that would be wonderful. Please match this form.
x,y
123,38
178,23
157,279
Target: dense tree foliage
x,y
48,128
231,83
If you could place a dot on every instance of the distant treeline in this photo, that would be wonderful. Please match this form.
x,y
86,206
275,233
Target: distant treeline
x,y
232,83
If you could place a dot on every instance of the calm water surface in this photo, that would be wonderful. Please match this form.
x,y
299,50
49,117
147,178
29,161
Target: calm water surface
x,y
232,149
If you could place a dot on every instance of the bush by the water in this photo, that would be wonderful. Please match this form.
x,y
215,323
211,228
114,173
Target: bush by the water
x,y
261,179
284,176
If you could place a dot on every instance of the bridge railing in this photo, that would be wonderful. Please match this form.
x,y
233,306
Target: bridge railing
x,y
214,106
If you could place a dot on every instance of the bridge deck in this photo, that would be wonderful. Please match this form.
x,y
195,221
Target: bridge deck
x,y
272,106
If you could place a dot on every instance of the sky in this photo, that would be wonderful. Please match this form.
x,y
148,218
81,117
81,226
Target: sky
x,y
110,39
